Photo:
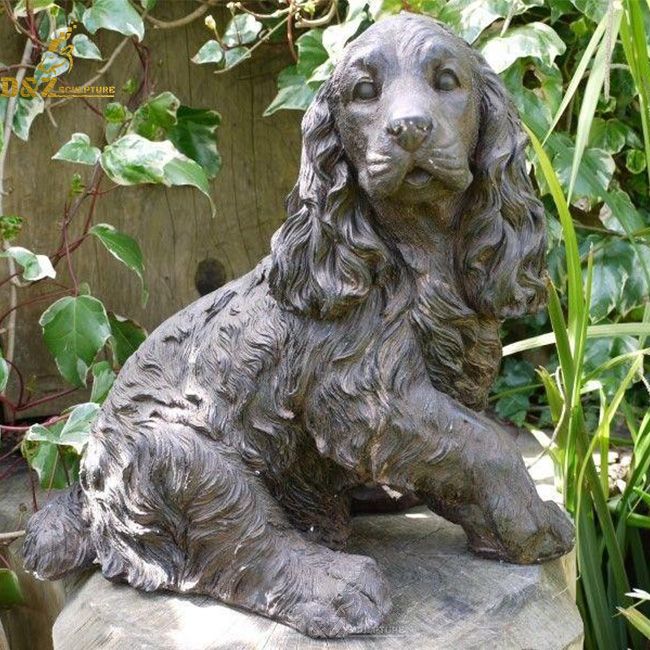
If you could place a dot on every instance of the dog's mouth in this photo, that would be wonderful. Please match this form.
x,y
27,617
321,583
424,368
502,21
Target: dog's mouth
x,y
418,177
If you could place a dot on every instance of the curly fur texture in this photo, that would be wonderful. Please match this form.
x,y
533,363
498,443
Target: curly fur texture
x,y
223,459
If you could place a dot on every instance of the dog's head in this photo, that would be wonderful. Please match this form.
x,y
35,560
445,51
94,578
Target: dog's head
x,y
412,117
406,105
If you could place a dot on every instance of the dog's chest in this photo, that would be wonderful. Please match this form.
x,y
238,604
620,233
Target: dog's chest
x,y
461,349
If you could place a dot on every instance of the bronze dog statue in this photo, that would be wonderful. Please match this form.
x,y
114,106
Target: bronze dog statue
x,y
360,351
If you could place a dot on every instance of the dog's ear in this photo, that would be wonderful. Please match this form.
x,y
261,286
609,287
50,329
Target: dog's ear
x,y
501,256
326,255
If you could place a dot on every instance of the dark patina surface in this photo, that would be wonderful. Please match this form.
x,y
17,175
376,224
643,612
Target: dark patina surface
x,y
360,351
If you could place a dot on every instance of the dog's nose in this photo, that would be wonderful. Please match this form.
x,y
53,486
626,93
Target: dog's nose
x,y
410,132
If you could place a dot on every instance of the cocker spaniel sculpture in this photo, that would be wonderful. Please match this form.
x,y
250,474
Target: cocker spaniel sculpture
x,y
360,351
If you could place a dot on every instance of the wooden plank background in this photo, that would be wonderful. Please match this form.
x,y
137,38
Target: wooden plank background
x,y
172,225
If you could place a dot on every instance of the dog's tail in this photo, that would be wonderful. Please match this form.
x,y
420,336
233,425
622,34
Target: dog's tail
x,y
57,540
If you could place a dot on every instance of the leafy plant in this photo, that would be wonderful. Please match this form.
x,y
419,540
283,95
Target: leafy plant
x,y
577,70
156,141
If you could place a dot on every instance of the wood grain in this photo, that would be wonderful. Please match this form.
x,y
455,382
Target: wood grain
x,y
173,225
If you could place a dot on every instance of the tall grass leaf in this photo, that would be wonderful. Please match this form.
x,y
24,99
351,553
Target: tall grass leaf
x,y
636,618
613,363
593,332
582,321
566,426
638,521
641,466
581,68
634,41
553,395
594,592
593,88
574,274
639,556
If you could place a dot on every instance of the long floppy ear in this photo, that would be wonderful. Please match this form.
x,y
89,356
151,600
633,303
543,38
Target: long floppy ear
x,y
501,255
326,255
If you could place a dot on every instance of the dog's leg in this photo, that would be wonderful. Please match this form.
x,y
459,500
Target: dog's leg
x,y
314,493
265,565
469,471
182,512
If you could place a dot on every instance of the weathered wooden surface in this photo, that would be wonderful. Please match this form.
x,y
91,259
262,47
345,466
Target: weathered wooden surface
x,y
173,225
443,597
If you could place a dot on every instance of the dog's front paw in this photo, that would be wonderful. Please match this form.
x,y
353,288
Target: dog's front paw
x,y
347,595
540,533
556,535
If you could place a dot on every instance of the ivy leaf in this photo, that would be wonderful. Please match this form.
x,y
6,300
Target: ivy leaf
x,y
77,12
114,15
126,337
515,373
78,150
599,351
635,161
241,30
294,93
195,135
595,172
116,113
611,261
468,18
625,209
321,74
311,52
75,330
637,290
10,226
20,10
513,407
124,248
132,160
10,591
4,373
536,40
609,135
210,52
103,378
26,111
336,37
35,267
155,117
236,55
54,464
84,48
51,65
536,105
76,429
593,9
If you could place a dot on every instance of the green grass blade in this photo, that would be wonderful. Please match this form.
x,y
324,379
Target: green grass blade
x,y
593,332
581,68
593,89
613,363
634,41
574,273
637,619
639,556
603,629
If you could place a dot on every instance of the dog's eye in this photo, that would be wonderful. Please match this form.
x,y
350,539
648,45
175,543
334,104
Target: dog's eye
x,y
365,90
447,80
